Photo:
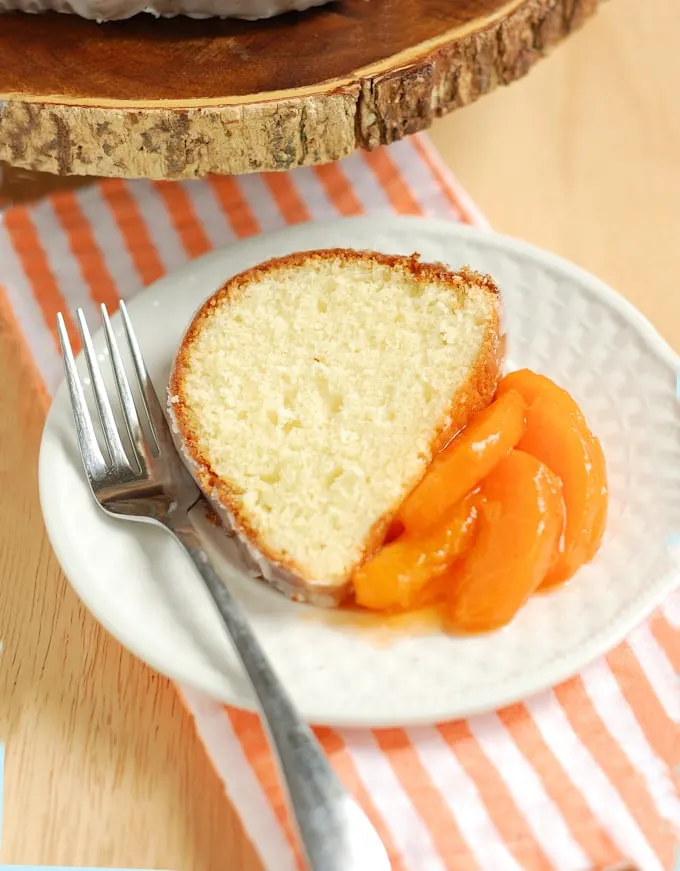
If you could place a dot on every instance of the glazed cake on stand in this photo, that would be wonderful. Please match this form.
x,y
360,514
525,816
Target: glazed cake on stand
x,y
115,10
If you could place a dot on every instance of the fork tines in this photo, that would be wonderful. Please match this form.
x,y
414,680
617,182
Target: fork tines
x,y
123,461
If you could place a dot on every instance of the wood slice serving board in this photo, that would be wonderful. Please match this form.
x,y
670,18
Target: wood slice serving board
x,y
177,98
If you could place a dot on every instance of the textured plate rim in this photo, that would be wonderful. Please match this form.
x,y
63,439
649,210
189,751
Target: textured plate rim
x,y
551,673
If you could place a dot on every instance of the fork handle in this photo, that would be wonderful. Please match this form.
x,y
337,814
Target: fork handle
x,y
335,833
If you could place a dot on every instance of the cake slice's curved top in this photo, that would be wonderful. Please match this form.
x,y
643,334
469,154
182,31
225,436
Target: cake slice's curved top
x,y
115,10
310,393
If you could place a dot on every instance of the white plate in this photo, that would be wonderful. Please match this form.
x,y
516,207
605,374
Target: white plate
x,y
562,322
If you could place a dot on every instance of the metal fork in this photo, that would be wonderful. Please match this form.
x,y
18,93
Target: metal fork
x,y
148,482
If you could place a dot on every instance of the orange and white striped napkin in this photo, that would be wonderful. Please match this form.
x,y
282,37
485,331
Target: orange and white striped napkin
x,y
583,776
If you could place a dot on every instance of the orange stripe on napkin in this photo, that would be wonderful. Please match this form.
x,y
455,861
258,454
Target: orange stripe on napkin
x,y
183,216
85,250
426,798
31,254
287,197
339,190
644,703
342,761
10,330
668,639
235,206
582,824
438,175
133,228
593,734
250,731
500,805
391,179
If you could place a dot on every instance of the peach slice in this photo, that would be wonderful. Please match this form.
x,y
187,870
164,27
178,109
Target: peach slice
x,y
468,459
521,516
557,434
400,576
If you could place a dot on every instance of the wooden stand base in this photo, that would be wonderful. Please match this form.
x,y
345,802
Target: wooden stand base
x,y
179,98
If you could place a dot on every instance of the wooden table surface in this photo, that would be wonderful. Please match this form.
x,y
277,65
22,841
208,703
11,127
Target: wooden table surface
x,y
102,766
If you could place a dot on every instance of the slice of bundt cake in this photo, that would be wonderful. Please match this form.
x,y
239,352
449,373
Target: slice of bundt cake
x,y
310,393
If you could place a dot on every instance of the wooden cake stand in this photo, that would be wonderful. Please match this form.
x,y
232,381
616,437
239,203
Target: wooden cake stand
x,y
180,98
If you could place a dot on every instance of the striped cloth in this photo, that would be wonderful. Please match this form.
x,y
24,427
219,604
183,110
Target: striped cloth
x,y
583,776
